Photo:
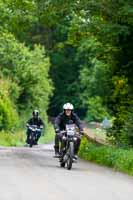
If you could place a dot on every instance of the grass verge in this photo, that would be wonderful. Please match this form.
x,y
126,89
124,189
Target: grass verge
x,y
18,138
48,136
12,139
117,158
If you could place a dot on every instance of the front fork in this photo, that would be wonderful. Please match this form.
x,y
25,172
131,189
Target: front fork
x,y
65,148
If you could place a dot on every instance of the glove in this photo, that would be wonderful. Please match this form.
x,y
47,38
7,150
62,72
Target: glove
x,y
57,130
41,127
81,133
59,134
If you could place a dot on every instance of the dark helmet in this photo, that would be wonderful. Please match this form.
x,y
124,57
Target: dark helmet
x,y
35,113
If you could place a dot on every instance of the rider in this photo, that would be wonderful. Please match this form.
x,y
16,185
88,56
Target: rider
x,y
35,120
60,124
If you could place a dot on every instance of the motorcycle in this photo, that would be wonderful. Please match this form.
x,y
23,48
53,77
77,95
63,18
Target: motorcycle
x,y
67,147
33,134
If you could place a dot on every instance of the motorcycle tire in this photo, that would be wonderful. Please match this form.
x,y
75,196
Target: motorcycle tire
x,y
31,141
70,157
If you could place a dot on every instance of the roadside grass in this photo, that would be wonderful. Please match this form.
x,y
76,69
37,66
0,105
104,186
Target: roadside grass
x,y
12,139
48,136
18,138
117,158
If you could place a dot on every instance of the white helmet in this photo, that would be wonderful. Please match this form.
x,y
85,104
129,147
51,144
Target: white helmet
x,y
68,106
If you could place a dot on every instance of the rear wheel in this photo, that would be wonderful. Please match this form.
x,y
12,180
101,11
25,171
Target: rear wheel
x,y
62,161
69,163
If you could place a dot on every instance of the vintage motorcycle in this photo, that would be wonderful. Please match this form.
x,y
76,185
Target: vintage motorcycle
x,y
34,131
67,146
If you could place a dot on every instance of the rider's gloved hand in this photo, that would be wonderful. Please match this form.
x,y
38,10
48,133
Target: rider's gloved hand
x,y
59,134
27,125
57,130
81,134
41,127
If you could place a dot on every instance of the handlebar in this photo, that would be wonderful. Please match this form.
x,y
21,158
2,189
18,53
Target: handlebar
x,y
34,127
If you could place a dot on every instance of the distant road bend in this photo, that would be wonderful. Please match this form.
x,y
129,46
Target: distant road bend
x,y
33,174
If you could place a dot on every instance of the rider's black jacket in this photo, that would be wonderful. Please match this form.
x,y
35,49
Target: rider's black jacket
x,y
35,121
62,119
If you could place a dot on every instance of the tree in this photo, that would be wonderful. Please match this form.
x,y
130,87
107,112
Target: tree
x,y
28,70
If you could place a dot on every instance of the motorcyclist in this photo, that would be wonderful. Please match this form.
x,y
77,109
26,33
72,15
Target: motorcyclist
x,y
35,120
60,124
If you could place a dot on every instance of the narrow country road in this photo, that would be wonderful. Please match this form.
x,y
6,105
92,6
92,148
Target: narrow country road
x,y
33,174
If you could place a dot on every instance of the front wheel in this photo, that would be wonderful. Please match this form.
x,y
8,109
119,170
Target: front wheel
x,y
31,143
31,140
70,157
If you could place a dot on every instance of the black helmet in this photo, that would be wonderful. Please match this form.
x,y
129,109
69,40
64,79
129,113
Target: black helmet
x,y
35,113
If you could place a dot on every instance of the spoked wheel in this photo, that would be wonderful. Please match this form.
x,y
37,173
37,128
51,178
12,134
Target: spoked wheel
x,y
31,143
70,158
31,140
62,160
69,163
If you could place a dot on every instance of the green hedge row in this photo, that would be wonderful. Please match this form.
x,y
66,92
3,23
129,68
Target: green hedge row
x,y
117,158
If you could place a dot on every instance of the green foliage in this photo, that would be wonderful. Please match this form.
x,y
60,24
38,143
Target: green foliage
x,y
8,114
12,139
117,158
93,73
107,61
17,17
48,135
24,69
65,75
28,69
96,110
89,44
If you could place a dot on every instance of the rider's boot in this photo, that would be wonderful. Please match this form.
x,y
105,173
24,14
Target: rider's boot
x,y
75,157
57,154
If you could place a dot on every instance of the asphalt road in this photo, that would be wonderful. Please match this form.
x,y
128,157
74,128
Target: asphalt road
x,y
33,174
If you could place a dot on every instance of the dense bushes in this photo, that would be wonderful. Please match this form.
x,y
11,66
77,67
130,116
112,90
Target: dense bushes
x,y
96,110
8,114
27,72
28,69
11,139
117,158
